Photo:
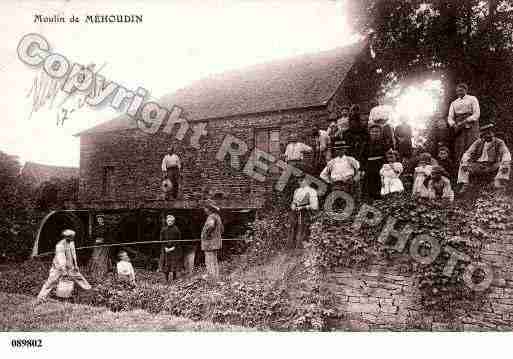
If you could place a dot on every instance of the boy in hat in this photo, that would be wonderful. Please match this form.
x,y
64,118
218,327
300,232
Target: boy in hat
x,y
439,186
64,264
211,241
463,119
304,201
171,169
488,156
444,160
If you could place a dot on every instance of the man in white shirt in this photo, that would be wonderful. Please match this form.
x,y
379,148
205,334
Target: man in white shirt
x,y
64,265
171,169
463,119
304,201
342,172
294,152
488,156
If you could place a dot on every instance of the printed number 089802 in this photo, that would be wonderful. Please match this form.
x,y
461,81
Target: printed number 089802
x,y
28,343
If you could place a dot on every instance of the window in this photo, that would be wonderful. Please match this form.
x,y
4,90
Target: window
x,y
268,140
108,180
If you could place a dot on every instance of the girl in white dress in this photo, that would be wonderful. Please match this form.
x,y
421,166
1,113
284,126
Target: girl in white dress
x,y
390,172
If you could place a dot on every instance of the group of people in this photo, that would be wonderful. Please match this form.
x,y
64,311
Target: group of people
x,y
369,159
176,254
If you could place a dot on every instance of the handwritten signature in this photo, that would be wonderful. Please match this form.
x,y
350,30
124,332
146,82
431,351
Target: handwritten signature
x,y
45,90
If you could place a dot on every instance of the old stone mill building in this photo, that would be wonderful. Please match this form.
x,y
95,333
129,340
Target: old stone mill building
x,y
120,165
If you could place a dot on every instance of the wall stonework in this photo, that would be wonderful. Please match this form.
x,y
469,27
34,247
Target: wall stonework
x,y
383,297
136,158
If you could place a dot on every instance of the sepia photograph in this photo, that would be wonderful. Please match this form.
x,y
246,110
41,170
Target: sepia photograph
x,y
256,166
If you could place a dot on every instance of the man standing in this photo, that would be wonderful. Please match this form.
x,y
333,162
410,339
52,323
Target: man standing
x,y
304,201
488,156
211,241
294,152
64,264
171,169
463,119
171,254
342,172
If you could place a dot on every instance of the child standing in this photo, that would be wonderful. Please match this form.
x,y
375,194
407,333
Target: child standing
x,y
125,270
390,172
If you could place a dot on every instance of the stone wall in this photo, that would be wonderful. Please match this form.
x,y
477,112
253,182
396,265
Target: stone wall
x,y
386,297
136,159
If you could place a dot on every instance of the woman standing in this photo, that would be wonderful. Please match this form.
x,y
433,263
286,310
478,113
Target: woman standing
x,y
374,159
171,254
211,241
100,263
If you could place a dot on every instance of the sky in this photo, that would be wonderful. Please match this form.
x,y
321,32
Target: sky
x,y
177,42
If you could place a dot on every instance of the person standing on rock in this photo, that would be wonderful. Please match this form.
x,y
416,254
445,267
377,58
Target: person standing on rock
x,y
64,265
171,169
211,241
463,119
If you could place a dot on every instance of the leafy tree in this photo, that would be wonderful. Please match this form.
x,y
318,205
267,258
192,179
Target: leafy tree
x,y
455,40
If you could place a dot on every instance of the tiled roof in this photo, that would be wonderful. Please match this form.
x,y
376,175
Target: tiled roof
x,y
300,82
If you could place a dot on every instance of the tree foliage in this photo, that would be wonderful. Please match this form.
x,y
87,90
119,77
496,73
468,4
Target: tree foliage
x,y
455,40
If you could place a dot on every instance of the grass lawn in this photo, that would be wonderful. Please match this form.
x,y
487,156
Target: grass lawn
x,y
19,314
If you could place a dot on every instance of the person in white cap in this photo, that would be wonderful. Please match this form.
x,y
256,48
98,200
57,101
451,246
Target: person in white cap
x,y
64,264
171,254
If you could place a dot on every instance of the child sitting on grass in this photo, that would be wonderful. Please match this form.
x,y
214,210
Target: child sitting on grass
x,y
390,172
439,187
421,175
124,269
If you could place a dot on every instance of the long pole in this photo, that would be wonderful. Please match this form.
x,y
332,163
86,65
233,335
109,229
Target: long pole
x,y
137,243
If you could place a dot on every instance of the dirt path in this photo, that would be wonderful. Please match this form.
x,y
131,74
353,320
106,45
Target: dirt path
x,y
18,313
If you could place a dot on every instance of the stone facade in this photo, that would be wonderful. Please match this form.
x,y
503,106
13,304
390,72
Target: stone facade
x,y
135,159
383,297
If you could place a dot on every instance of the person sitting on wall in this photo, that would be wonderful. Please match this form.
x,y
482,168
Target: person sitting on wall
x,y
439,186
444,160
342,172
304,201
487,157
390,172
422,175
463,119
171,253
171,170
294,152
64,265
211,241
